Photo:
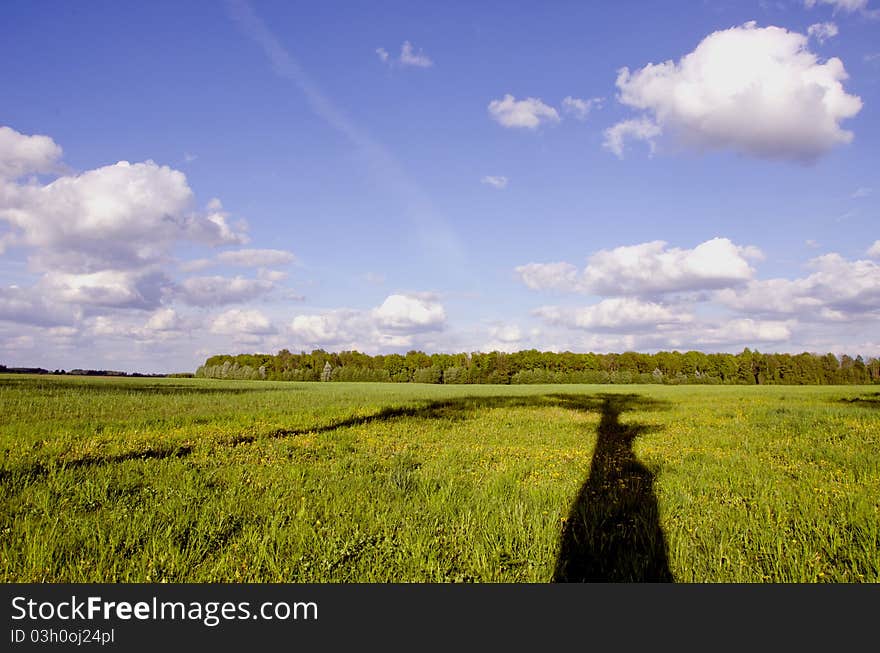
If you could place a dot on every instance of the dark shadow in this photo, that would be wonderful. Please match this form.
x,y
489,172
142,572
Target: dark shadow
x,y
871,400
26,474
613,531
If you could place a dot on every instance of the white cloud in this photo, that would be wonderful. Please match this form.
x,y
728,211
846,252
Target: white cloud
x,y
742,331
874,250
580,109
758,91
408,312
164,319
116,217
329,328
838,289
822,31
21,155
507,338
217,290
396,323
861,192
528,113
648,269
640,129
494,181
618,314
237,322
508,333
409,57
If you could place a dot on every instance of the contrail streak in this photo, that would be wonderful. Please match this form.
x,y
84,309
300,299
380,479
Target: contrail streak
x,y
436,236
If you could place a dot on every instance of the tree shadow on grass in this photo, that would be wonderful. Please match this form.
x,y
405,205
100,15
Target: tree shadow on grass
x,y
871,400
613,531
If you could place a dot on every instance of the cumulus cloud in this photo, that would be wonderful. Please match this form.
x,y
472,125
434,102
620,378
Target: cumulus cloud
x,y
837,290
640,129
395,323
218,290
408,312
330,328
527,114
874,250
822,31
743,331
383,55
495,182
21,155
237,322
618,314
505,337
120,216
580,109
164,319
758,91
648,269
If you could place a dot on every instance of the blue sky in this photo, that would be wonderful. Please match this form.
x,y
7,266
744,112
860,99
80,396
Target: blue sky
x,y
437,176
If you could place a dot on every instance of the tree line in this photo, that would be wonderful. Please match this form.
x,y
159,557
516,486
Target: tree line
x,y
531,366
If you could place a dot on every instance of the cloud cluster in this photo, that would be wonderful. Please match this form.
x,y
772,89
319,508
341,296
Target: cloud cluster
x,y
616,314
101,243
838,290
757,91
656,296
395,323
648,269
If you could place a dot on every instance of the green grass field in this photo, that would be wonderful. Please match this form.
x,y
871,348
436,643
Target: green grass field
x,y
151,480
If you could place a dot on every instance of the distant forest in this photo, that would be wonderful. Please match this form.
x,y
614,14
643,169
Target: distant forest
x,y
745,368
81,372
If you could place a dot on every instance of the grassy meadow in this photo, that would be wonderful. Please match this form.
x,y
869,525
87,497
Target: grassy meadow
x,y
152,480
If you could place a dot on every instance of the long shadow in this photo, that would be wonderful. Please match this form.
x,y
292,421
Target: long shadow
x,y
26,474
871,400
613,531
